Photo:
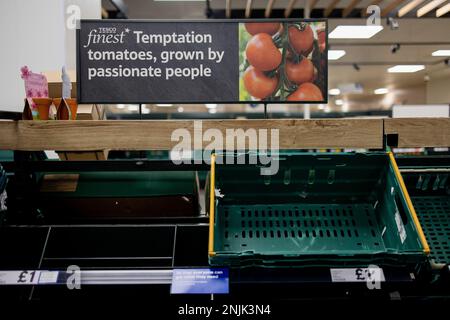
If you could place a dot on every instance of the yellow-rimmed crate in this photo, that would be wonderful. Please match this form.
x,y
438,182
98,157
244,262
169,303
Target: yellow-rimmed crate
x,y
427,179
319,209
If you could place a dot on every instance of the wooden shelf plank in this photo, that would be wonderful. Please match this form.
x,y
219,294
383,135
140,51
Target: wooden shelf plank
x,y
8,135
156,134
420,132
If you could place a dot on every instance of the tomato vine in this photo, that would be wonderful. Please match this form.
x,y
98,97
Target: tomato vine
x,y
282,41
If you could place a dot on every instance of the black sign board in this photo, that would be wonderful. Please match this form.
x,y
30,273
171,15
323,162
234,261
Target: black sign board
x,y
211,61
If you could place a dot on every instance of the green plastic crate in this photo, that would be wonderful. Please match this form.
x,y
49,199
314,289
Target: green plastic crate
x,y
318,210
434,215
430,194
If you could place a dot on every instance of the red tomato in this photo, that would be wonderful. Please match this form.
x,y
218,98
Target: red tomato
x,y
306,92
322,41
258,84
262,53
300,72
262,27
301,41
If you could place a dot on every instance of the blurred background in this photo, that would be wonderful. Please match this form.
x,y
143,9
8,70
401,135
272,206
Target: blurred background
x,y
362,78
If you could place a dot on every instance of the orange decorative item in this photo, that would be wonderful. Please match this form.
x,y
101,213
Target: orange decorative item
x,y
37,109
43,107
66,108
57,102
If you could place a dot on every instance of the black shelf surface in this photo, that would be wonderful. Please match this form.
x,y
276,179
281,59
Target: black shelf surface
x,y
103,246
159,248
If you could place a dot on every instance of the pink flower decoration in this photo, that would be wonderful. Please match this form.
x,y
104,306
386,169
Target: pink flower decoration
x,y
33,105
38,94
29,93
45,93
25,72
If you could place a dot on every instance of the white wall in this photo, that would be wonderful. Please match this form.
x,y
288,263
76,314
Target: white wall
x,y
438,88
33,33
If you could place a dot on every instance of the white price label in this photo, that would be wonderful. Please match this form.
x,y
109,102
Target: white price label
x,y
400,227
48,277
357,275
22,277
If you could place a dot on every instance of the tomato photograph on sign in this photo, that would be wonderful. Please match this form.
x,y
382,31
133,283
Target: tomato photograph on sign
x,y
282,61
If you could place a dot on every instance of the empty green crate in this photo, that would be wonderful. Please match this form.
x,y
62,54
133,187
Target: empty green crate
x,y
434,215
430,194
317,210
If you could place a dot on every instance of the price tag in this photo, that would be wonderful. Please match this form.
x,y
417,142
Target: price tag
x,y
357,275
48,277
198,281
24,277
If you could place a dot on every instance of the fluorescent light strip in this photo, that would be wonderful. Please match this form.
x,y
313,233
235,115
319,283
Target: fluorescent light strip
x,y
354,32
441,53
428,7
381,91
407,8
339,102
334,92
335,54
443,10
164,105
406,68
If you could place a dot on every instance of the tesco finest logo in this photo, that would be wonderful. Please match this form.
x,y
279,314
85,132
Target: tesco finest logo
x,y
105,35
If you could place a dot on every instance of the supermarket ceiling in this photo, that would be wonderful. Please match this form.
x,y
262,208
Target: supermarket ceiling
x,y
407,39
273,8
